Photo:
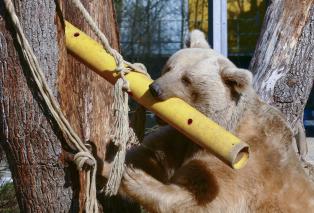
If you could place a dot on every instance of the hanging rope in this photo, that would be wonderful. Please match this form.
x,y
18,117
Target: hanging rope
x,y
120,137
122,134
83,154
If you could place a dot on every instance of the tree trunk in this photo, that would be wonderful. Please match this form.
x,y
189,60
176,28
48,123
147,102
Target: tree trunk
x,y
85,97
29,135
283,62
33,143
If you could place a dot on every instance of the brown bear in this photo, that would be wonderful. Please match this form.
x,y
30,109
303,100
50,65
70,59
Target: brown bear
x,y
169,173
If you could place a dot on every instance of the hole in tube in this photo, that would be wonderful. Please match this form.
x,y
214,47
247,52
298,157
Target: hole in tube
x,y
242,153
190,121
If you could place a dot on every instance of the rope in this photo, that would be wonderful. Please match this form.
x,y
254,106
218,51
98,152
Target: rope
x,y
83,154
120,137
121,134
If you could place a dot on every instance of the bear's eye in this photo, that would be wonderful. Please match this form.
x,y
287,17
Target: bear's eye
x,y
186,81
165,70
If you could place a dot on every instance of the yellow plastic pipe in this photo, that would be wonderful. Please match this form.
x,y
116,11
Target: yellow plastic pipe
x,y
174,111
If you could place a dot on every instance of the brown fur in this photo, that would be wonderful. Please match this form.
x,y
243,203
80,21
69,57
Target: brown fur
x,y
169,173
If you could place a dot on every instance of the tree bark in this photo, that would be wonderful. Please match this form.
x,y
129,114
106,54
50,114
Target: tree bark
x,y
283,62
34,145
85,97
29,135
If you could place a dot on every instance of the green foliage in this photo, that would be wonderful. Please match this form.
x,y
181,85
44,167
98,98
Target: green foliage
x,y
8,202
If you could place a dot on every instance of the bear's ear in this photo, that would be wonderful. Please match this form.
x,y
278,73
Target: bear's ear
x,y
196,39
239,79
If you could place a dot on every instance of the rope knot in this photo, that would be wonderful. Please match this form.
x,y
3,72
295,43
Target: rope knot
x,y
82,158
122,70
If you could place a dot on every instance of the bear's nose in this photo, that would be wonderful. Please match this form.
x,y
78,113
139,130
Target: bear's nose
x,y
154,89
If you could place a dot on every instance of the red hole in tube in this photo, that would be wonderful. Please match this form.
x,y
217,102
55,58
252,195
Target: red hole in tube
x,y
130,93
76,34
190,121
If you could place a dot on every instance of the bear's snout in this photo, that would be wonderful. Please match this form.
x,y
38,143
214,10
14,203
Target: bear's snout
x,y
155,89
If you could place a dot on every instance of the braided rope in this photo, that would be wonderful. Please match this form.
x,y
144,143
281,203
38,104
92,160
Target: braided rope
x,y
83,154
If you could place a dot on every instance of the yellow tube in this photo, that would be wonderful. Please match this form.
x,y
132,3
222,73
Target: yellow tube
x,y
174,111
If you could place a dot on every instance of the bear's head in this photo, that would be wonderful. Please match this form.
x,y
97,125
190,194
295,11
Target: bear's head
x,y
203,78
